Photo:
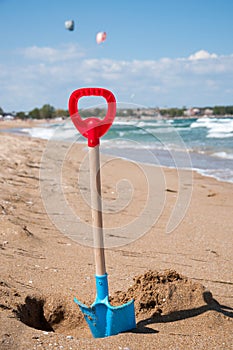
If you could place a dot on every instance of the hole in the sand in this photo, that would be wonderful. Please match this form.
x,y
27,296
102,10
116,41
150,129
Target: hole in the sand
x,y
32,314
54,313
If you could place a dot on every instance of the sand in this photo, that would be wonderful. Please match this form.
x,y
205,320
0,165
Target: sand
x,y
181,281
18,123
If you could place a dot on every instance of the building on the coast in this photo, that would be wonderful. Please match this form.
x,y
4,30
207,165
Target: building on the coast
x,y
208,111
191,112
8,117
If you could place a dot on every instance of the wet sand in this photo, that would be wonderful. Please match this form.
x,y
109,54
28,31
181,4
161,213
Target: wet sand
x,y
42,270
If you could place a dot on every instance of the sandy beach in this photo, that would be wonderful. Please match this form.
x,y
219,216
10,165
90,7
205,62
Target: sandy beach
x,y
182,281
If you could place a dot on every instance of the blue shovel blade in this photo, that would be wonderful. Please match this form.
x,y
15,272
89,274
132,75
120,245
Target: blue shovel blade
x,y
104,319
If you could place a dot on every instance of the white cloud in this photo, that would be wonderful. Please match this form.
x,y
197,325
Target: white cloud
x,y
49,54
49,75
202,55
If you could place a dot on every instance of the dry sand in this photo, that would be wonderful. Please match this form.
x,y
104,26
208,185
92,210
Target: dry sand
x,y
18,123
182,282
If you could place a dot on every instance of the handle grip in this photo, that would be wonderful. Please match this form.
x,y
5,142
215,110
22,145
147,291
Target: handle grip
x,y
92,128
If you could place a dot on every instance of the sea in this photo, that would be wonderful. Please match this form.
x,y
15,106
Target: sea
x,y
204,144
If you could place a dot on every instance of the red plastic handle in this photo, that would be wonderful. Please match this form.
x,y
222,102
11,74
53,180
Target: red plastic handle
x,y
92,128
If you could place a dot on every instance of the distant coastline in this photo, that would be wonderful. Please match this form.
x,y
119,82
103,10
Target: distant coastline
x,y
15,122
49,112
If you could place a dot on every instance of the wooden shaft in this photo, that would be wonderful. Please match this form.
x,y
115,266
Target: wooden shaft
x,y
96,209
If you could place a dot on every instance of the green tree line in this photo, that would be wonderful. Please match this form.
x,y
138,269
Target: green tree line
x,y
45,112
223,110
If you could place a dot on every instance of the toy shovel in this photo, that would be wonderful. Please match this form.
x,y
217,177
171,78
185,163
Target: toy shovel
x,y
103,319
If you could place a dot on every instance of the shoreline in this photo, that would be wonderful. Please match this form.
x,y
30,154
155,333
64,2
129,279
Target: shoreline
x,y
163,157
38,262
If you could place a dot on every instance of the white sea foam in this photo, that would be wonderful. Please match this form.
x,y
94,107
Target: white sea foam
x,y
126,122
219,134
129,144
203,122
126,143
223,155
143,123
42,133
217,127
155,123
225,175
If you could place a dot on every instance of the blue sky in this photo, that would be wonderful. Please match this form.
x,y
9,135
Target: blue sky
x,y
157,53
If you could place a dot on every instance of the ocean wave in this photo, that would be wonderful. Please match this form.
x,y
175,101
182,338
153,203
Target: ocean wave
x,y
143,123
219,134
129,144
223,155
42,133
225,175
217,127
126,122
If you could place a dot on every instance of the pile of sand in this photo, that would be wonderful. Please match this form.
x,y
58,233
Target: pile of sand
x,y
164,293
